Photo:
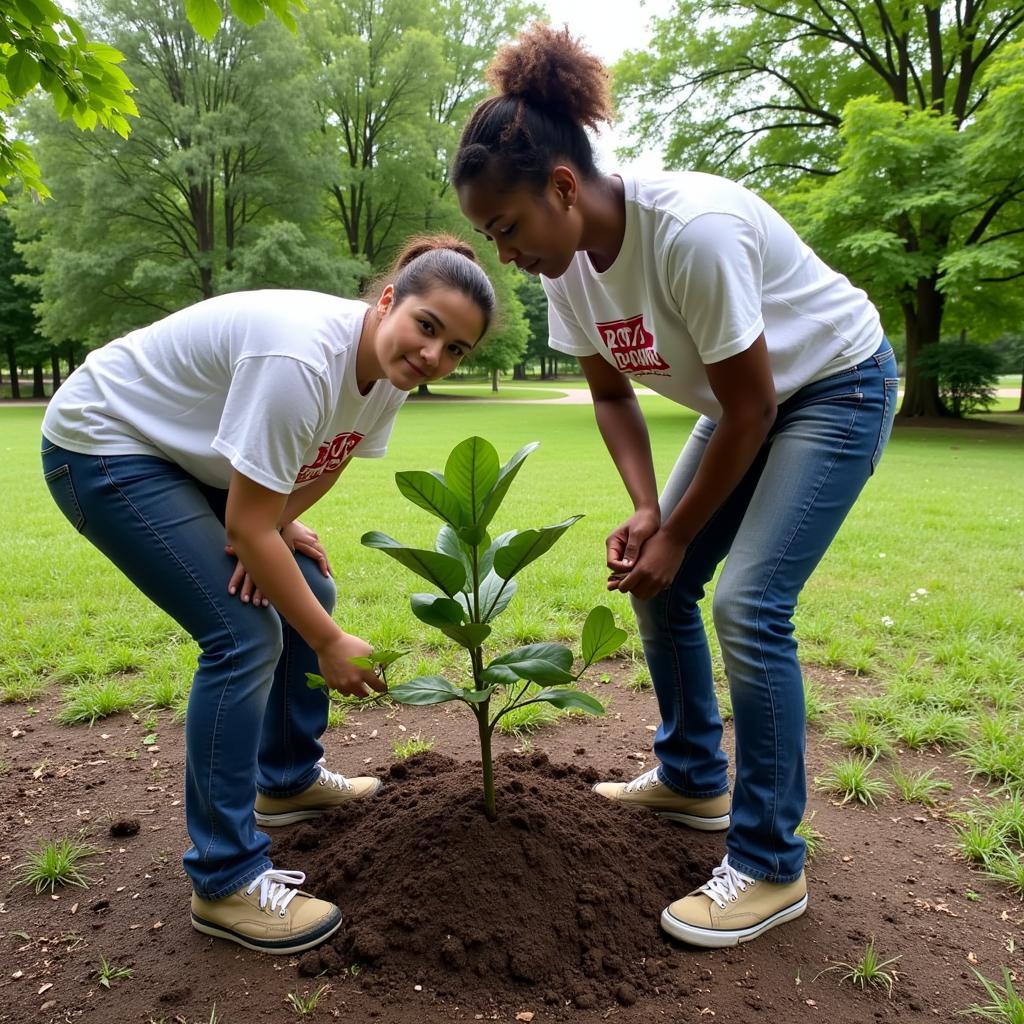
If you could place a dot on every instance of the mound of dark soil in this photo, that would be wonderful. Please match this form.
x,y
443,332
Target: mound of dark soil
x,y
558,899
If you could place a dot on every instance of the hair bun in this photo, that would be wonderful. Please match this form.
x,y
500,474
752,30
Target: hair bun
x,y
547,67
418,245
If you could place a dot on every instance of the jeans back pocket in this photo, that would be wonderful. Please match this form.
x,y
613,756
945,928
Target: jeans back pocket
x,y
892,386
62,488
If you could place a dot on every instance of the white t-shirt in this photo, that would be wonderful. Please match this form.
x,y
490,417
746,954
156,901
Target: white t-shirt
x,y
705,267
263,382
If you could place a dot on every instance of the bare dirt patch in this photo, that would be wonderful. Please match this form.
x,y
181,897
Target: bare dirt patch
x,y
552,911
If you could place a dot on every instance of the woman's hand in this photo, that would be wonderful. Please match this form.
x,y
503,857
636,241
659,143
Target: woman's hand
x,y
242,583
654,570
340,674
624,543
307,542
298,538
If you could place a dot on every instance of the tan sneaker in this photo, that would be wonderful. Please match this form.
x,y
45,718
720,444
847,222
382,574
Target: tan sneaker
x,y
269,915
329,791
707,814
733,908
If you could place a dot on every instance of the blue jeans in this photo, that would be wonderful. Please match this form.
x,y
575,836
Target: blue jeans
x,y
775,527
252,721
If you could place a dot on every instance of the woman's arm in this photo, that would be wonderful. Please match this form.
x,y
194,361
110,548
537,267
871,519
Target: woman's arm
x,y
252,518
306,497
745,388
625,436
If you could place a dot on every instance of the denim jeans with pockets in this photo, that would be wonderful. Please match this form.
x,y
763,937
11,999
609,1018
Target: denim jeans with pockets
x,y
252,721
775,527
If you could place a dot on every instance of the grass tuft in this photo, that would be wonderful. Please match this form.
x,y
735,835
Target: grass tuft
x,y
55,864
852,780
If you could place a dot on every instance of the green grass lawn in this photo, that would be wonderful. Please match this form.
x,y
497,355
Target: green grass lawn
x,y
508,390
923,590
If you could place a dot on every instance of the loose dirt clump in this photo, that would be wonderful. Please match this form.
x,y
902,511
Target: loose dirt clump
x,y
557,897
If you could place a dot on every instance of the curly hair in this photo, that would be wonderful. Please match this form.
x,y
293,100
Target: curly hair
x,y
550,90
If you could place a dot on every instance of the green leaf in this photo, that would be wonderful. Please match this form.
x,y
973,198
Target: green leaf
x,y
446,573
447,543
426,690
429,493
491,605
471,635
477,696
205,16
504,482
527,546
487,558
315,682
601,637
570,698
252,12
539,663
375,658
150,740
437,611
471,471
22,73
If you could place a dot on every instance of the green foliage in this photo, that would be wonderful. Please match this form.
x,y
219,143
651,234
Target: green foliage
x,y
200,199
475,575
55,864
412,745
852,780
1005,1005
107,972
41,45
903,172
967,374
920,787
870,969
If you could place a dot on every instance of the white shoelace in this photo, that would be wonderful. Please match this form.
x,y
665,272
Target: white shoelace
x,y
278,888
726,883
334,779
642,782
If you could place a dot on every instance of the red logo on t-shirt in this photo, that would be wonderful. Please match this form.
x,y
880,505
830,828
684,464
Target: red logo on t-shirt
x,y
631,345
331,455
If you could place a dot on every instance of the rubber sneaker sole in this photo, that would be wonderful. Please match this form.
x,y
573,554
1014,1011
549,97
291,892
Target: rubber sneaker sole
x,y
306,813
697,822
278,947
717,938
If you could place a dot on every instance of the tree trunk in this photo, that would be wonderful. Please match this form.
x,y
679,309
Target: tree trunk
x,y
72,355
923,323
543,368
55,367
423,391
494,379
12,364
1020,406
38,385
519,371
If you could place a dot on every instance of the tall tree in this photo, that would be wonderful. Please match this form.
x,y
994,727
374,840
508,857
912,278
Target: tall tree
x,y
758,91
378,65
17,321
201,198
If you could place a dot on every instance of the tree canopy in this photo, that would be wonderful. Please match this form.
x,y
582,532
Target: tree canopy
x,y
887,108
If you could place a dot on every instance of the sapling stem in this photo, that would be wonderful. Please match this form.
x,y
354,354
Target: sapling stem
x,y
485,729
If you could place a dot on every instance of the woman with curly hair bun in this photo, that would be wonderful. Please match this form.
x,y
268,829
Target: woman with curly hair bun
x,y
185,452
696,288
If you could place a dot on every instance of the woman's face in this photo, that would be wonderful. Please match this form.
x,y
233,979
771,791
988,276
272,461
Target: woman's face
x,y
424,337
536,231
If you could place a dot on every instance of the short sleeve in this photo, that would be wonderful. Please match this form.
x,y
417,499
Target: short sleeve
x,y
565,334
715,275
375,444
275,409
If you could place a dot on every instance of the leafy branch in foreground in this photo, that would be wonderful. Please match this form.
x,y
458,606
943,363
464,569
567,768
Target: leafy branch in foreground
x,y
475,576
